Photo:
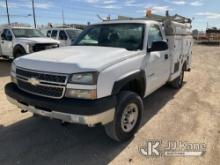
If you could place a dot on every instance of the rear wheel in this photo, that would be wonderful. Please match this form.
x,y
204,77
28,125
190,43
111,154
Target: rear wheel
x,y
178,82
127,117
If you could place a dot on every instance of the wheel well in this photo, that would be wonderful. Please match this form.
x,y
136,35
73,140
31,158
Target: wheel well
x,y
135,83
18,48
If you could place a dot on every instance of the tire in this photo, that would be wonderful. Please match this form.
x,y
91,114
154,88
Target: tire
x,y
129,108
18,52
178,82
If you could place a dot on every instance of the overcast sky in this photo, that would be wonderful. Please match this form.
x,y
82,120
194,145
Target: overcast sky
x,y
83,11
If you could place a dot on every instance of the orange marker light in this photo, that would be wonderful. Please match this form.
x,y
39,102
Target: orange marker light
x,y
148,13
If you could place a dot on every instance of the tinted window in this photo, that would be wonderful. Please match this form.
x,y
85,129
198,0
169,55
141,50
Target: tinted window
x,y
154,35
62,35
54,34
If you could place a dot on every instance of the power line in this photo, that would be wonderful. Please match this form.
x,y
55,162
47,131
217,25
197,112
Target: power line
x,y
15,15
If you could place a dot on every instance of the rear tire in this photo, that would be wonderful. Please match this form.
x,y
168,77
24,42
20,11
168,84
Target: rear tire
x,y
178,82
128,117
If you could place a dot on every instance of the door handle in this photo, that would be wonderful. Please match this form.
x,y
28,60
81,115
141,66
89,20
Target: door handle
x,y
166,56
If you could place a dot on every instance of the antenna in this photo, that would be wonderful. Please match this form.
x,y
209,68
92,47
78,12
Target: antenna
x,y
99,17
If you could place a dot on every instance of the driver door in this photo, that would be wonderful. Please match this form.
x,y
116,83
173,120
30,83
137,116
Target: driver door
x,y
6,43
158,62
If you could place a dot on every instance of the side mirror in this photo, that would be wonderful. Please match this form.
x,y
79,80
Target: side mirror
x,y
3,36
158,46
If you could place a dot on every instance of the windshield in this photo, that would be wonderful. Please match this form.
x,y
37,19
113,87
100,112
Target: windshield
x,y
73,34
122,35
27,33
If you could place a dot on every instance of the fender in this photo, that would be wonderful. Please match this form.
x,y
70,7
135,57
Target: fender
x,y
138,76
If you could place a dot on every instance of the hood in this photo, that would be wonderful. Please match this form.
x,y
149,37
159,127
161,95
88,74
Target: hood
x,y
37,40
74,59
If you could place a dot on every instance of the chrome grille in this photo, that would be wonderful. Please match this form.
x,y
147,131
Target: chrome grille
x,y
41,76
48,84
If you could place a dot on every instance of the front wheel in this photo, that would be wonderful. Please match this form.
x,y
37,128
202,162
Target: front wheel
x,y
128,117
19,52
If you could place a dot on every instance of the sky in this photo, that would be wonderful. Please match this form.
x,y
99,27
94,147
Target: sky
x,y
203,12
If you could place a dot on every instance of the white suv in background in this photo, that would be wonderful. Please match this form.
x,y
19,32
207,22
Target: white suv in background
x,y
66,36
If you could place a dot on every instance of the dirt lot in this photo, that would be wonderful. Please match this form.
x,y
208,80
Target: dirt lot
x,y
191,114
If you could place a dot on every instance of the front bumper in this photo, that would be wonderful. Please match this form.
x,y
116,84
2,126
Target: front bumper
x,y
88,112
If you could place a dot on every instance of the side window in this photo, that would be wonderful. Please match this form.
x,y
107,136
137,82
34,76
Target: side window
x,y
54,34
154,35
6,35
62,35
48,33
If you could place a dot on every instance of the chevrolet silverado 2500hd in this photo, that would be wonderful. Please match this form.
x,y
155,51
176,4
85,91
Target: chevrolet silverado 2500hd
x,y
104,77
18,41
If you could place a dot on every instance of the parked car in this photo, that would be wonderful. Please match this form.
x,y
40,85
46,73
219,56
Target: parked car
x,y
66,36
104,77
18,41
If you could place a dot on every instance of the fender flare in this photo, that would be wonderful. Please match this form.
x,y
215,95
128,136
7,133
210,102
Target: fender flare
x,y
139,76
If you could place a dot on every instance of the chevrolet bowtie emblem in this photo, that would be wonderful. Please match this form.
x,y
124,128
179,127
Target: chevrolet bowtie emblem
x,y
33,81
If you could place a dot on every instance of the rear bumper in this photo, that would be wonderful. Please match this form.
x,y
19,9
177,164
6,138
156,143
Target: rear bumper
x,y
89,112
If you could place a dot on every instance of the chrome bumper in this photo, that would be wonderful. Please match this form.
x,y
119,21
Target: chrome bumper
x,y
103,118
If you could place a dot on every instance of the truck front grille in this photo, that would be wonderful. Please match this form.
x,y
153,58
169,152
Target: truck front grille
x,y
40,47
41,76
41,84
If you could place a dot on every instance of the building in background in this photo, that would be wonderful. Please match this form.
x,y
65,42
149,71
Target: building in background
x,y
213,34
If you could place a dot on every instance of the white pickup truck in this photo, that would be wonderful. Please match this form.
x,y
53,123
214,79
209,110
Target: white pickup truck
x,y
104,77
66,36
18,41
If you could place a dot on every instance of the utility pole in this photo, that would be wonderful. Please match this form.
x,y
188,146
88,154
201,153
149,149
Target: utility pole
x,y
63,17
35,25
6,3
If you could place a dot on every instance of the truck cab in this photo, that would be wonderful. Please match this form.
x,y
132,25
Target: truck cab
x,y
18,41
66,36
104,77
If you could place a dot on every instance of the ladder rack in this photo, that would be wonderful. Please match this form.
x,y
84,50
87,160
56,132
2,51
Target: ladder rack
x,y
159,18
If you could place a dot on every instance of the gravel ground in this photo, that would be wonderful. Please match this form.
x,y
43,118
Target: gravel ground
x,y
191,114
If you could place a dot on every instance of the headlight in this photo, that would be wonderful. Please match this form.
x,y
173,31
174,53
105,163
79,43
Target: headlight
x,y
30,47
84,78
13,73
81,94
13,68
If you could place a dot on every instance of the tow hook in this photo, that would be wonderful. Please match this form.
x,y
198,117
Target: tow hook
x,y
23,111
